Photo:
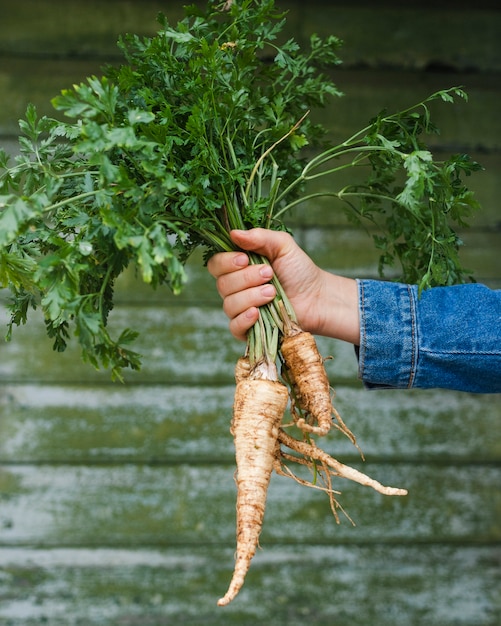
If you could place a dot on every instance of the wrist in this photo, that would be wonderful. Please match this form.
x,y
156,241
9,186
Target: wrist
x,y
339,315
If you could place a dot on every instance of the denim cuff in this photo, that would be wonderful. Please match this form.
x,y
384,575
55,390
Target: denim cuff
x,y
388,344
446,337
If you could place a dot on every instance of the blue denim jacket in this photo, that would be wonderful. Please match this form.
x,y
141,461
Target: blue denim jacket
x,y
449,337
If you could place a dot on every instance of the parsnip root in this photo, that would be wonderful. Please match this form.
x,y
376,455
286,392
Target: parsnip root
x,y
258,410
304,367
262,445
311,451
242,368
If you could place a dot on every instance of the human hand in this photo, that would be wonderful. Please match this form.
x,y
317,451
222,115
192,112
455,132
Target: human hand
x,y
324,303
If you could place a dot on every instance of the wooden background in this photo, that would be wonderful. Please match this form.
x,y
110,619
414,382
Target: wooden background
x,y
117,501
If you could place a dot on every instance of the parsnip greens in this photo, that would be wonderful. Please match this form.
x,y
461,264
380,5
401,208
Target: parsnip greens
x,y
199,131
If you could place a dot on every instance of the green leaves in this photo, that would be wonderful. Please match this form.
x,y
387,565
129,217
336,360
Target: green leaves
x,y
418,180
201,130
416,200
15,212
95,99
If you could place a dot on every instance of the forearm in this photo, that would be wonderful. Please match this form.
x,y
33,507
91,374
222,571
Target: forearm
x,y
450,337
338,305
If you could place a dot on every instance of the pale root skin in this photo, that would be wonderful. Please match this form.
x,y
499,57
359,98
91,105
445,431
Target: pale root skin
x,y
310,451
305,366
262,445
242,369
257,413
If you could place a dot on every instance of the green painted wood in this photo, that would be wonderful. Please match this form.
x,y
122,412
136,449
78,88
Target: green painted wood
x,y
179,345
342,249
29,27
386,585
23,81
392,35
89,424
117,502
32,71
163,505
352,252
408,36
42,55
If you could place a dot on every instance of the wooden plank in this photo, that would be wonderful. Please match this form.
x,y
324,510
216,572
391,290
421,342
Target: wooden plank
x,y
474,128
83,34
30,28
392,35
357,585
162,505
340,249
337,248
328,211
409,36
179,344
359,256
464,126
23,81
176,423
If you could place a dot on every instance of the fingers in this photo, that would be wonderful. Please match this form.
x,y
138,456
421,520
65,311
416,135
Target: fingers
x,y
240,301
240,325
269,243
234,274
243,288
226,262
251,276
243,293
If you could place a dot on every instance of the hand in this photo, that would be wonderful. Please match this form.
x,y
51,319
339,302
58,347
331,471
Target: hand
x,y
324,303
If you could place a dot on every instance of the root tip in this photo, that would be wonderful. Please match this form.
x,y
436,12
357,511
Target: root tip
x,y
394,491
321,431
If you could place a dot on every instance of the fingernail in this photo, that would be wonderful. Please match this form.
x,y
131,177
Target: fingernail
x,y
266,271
241,260
268,291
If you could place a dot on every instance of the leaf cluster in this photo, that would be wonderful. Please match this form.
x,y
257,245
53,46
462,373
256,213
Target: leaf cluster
x,y
414,200
154,162
202,129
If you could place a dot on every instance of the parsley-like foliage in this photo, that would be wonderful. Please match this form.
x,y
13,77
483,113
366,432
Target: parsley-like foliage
x,y
202,129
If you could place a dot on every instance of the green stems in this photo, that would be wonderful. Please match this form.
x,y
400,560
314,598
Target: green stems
x,y
362,153
264,336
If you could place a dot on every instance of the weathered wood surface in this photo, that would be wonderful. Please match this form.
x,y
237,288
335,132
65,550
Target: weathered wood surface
x,y
323,585
117,501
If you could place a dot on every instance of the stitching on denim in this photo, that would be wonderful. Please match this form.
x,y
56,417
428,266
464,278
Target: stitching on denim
x,y
363,333
413,313
461,352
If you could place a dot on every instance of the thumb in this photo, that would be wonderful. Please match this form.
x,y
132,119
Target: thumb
x,y
270,243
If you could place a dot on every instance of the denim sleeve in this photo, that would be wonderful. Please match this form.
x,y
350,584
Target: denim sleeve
x,y
448,337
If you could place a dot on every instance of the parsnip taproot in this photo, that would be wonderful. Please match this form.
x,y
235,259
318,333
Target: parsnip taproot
x,y
258,409
257,413
308,378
